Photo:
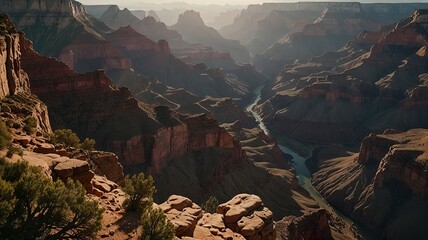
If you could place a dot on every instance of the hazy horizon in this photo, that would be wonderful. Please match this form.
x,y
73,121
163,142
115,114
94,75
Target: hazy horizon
x,y
124,3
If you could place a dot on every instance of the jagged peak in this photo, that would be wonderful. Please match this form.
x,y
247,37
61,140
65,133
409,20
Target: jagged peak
x,y
191,18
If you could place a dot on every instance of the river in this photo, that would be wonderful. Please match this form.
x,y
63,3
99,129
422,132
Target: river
x,y
302,172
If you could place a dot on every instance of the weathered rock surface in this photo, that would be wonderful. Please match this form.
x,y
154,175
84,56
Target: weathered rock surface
x,y
388,179
374,83
103,163
243,217
59,21
311,226
13,79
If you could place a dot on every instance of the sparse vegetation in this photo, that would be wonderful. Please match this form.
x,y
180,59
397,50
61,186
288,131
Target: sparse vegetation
x,y
34,207
70,139
88,144
30,125
211,205
5,136
140,190
14,150
156,226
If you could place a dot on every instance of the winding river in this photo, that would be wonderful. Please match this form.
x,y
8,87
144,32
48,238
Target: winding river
x,y
302,172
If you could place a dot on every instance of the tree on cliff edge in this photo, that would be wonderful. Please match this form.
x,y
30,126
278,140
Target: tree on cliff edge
x,y
33,206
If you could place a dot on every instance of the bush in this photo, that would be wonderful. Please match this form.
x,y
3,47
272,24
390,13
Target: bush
x,y
70,139
156,226
66,137
34,207
138,187
88,144
30,125
12,150
211,205
5,137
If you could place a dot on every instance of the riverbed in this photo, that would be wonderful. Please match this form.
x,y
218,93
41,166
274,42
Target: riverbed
x,y
303,174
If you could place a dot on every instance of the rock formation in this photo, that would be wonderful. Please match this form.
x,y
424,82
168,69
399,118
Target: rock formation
x,y
243,217
335,27
374,83
116,18
62,22
193,29
13,79
389,181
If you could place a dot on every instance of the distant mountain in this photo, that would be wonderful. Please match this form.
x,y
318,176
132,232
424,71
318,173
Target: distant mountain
x,y
155,30
378,81
329,32
116,18
193,29
97,10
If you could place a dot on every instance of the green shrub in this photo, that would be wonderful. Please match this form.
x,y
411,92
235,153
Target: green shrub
x,y
30,125
5,137
211,205
34,207
88,144
66,137
138,187
156,226
70,139
12,150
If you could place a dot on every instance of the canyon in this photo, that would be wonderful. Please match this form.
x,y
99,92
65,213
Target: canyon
x,y
388,177
365,87
331,110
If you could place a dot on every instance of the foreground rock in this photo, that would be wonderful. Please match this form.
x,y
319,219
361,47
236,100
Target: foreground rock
x,y
243,217
389,180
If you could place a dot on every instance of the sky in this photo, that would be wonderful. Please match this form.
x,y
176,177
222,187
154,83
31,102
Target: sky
x,y
223,2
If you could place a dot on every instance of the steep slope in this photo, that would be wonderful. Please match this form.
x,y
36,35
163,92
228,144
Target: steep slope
x,y
193,29
329,32
341,97
52,24
155,60
245,25
388,178
275,26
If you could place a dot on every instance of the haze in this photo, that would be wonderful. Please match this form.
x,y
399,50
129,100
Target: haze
x,y
125,3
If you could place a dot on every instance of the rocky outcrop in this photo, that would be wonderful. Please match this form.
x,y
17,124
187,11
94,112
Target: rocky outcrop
x,y
243,217
311,226
63,21
88,53
389,181
191,26
360,89
13,79
195,134
104,164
